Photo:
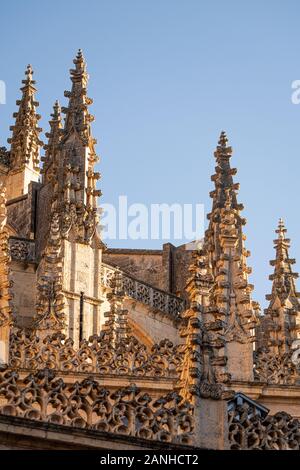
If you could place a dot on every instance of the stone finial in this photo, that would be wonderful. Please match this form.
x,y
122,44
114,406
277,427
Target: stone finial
x,y
283,312
281,230
54,136
223,140
25,141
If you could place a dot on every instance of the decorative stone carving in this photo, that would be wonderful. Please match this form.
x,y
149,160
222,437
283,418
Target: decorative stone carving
x,y
87,404
279,369
221,276
277,358
96,355
248,430
281,324
19,250
231,291
78,195
22,250
50,159
116,328
296,353
199,376
50,300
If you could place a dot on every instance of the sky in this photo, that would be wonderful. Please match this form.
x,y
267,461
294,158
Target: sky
x,y
166,77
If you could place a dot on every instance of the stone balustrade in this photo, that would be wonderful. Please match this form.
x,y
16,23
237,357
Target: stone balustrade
x,y
143,292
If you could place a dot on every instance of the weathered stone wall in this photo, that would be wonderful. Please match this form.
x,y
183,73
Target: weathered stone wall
x,y
21,213
147,325
23,276
145,265
20,433
182,259
150,326
43,217
18,183
166,269
262,332
81,277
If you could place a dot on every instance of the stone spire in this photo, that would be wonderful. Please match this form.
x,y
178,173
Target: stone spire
x,y
25,141
50,165
78,118
283,311
72,242
77,154
229,314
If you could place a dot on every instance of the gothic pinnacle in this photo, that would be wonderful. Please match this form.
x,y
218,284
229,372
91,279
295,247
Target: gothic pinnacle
x,y
54,138
284,307
78,118
25,142
228,303
281,230
283,277
78,157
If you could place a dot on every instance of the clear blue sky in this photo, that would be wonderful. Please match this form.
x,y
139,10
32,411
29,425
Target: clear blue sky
x,y
166,77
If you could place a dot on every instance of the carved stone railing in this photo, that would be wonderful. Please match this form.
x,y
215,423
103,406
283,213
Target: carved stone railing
x,y
96,355
283,369
145,293
22,249
250,430
43,396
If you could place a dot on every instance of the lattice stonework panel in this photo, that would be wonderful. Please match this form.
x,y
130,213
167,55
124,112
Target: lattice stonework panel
x,y
87,404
